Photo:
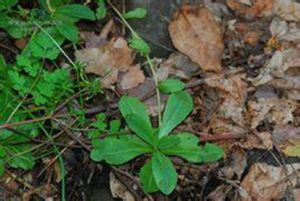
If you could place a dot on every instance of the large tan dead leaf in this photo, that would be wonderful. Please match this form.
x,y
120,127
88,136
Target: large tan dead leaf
x,y
195,33
271,109
288,10
107,60
267,183
132,78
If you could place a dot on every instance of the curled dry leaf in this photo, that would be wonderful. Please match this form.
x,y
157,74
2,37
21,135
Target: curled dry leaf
x,y
220,193
262,140
283,31
178,65
277,65
265,182
92,40
106,61
237,164
118,190
230,114
282,134
288,10
132,78
288,139
195,33
257,9
272,109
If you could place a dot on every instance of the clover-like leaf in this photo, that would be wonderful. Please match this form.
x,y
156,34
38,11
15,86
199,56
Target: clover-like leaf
x,y
164,173
211,152
179,105
116,151
171,85
147,178
188,148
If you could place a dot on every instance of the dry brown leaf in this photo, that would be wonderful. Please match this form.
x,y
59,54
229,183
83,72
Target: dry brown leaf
x,y
271,109
237,164
282,134
146,92
296,194
267,183
220,193
230,115
288,10
257,9
251,37
179,65
21,43
195,33
262,140
132,78
284,31
118,190
280,62
107,60
92,40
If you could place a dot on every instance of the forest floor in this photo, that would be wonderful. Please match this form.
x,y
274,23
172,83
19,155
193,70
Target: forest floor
x,y
90,91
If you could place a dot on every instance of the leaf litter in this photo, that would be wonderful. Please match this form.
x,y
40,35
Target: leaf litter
x,y
245,81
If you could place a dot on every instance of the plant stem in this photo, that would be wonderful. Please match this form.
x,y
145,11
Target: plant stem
x,y
146,56
61,163
9,125
156,88
57,45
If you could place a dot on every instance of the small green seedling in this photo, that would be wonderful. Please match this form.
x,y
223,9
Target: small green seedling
x,y
138,13
158,174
